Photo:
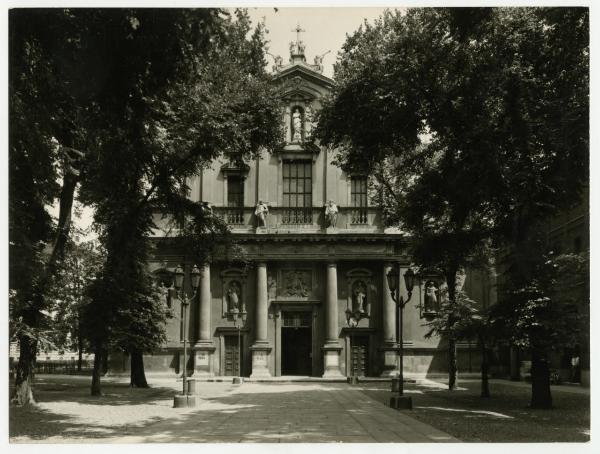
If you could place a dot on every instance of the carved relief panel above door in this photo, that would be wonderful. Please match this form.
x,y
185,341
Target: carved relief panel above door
x,y
295,284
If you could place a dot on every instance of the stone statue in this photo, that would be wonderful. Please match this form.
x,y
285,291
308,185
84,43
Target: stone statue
x,y
278,63
233,297
261,212
360,298
331,213
308,122
430,297
207,209
319,62
271,286
297,125
165,294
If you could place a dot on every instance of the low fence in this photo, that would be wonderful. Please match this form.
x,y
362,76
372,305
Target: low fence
x,y
64,367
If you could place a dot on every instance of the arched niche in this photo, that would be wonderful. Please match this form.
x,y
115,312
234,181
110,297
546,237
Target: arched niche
x,y
164,279
233,281
360,291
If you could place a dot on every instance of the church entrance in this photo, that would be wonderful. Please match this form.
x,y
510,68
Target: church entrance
x,y
296,343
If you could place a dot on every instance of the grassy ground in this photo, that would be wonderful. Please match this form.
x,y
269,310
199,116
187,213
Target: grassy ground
x,y
504,417
65,408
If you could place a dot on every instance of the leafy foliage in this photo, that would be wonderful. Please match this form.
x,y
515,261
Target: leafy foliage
x,y
474,125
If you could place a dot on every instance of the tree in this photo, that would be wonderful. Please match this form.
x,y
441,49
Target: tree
x,y
217,99
472,120
68,294
547,314
45,124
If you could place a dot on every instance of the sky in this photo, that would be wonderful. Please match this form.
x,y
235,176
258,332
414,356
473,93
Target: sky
x,y
325,29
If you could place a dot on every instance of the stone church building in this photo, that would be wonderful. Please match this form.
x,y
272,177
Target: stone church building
x,y
315,299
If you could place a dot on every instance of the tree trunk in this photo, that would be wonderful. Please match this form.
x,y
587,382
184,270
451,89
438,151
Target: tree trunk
x,y
485,386
23,391
97,372
541,396
104,369
79,341
138,376
515,364
79,351
452,364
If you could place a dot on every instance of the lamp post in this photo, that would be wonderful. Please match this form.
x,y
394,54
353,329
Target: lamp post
x,y
185,399
237,317
393,277
353,318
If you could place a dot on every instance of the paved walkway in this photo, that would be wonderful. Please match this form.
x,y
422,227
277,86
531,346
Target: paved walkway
x,y
288,413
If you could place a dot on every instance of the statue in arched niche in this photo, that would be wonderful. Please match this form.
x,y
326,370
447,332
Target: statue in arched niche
x,y
234,297
308,122
359,297
431,297
297,125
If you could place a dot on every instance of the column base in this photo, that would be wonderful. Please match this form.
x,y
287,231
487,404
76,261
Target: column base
x,y
331,361
260,360
389,356
203,360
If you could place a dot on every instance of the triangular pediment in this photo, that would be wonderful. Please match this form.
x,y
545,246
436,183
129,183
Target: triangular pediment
x,y
300,80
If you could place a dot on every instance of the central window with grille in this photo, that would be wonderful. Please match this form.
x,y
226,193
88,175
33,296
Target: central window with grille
x,y
297,192
358,199
235,200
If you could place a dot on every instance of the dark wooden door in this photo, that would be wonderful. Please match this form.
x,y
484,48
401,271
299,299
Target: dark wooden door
x,y
360,355
232,356
296,344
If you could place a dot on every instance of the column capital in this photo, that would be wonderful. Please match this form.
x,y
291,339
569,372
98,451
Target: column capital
x,y
332,263
260,263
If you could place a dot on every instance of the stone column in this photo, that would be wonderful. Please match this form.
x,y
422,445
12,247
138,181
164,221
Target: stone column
x,y
332,348
261,348
389,349
204,348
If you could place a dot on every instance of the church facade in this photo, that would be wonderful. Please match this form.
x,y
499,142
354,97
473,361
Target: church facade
x,y
314,300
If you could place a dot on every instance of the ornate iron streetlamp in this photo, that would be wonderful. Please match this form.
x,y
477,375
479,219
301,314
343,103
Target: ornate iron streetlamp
x,y
185,399
237,317
393,277
353,318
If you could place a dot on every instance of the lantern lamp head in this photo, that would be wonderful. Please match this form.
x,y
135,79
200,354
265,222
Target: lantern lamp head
x,y
409,279
178,277
195,277
392,279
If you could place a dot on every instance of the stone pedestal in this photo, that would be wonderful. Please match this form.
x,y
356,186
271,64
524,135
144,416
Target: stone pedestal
x,y
260,361
262,230
331,230
203,361
401,402
389,360
331,361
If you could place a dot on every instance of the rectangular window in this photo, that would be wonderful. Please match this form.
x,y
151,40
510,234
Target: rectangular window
x,y
358,199
297,192
235,200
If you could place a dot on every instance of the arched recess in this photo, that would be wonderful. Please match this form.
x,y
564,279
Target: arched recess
x,y
360,290
233,281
